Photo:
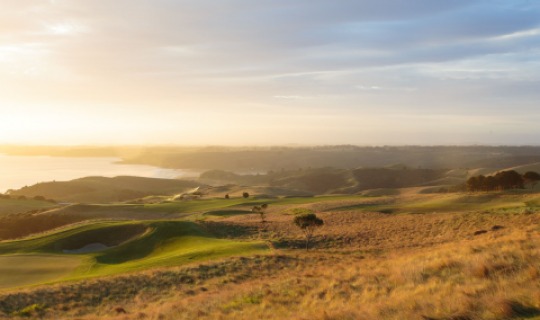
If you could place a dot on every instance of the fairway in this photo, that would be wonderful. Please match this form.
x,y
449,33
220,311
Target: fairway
x,y
321,160
133,246
21,270
217,247
176,252
12,206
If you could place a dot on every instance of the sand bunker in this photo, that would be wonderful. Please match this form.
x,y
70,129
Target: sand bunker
x,y
92,247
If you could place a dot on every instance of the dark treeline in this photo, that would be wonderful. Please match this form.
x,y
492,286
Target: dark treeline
x,y
502,180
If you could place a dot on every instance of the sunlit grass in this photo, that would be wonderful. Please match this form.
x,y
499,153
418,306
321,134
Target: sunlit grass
x,y
31,269
10,206
134,246
370,260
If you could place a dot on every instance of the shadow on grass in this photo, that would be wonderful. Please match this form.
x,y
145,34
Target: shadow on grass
x,y
353,207
506,309
226,213
144,246
226,230
520,311
364,207
301,244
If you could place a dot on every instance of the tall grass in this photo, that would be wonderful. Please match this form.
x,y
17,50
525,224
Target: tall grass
x,y
365,265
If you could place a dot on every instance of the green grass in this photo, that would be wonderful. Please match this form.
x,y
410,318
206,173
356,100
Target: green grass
x,y
10,206
445,203
316,199
23,270
173,252
108,233
440,203
226,213
138,246
453,203
362,207
190,207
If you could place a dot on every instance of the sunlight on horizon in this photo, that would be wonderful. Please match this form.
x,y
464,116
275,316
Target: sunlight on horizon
x,y
133,72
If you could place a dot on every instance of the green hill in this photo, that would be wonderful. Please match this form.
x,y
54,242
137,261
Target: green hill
x,y
14,206
121,247
336,181
102,189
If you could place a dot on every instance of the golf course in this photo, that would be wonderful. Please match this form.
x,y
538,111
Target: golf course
x,y
208,256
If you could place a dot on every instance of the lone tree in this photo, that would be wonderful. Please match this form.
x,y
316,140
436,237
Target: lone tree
x,y
261,211
256,209
245,195
308,222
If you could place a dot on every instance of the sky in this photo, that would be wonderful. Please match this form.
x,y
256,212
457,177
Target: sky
x,y
236,72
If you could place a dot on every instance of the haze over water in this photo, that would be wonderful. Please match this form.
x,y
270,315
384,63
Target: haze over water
x,y
19,171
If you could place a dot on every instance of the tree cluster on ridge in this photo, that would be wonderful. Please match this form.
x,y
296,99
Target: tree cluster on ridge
x,y
503,180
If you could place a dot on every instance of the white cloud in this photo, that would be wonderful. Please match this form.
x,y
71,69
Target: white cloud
x,y
519,34
317,57
369,88
65,29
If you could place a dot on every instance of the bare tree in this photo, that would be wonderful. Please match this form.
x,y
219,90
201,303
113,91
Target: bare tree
x,y
261,211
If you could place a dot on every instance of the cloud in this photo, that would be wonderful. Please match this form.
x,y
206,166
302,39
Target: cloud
x,y
369,88
436,57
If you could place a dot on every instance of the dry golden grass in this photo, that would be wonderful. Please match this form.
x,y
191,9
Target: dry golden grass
x,y
364,265
374,231
440,283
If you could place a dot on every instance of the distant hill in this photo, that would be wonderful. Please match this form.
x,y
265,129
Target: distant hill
x,y
344,157
262,159
331,180
527,167
504,161
102,189
14,206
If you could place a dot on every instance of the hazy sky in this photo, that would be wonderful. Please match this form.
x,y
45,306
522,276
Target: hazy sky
x,y
270,72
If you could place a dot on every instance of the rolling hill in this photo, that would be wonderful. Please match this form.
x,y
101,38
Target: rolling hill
x,y
103,190
335,181
15,205
216,260
105,248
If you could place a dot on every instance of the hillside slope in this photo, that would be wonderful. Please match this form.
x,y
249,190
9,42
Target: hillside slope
x,y
102,189
105,248
464,256
332,180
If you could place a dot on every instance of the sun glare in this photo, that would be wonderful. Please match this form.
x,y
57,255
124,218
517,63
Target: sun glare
x,y
206,159
65,29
